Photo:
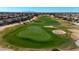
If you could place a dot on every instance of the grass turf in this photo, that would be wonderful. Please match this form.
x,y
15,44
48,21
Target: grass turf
x,y
33,35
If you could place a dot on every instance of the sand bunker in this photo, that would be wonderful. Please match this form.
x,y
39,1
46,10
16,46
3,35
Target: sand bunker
x,y
59,32
49,26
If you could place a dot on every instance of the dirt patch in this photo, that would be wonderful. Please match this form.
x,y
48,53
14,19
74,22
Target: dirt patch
x,y
74,34
5,49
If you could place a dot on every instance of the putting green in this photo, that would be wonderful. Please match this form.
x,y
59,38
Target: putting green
x,y
35,33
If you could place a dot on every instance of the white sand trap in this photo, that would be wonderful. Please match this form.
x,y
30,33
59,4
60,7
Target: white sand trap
x,y
49,26
58,32
77,42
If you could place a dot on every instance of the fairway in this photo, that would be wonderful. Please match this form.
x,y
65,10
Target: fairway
x,y
35,35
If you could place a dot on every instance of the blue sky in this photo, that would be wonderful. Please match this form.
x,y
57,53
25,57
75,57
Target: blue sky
x,y
39,9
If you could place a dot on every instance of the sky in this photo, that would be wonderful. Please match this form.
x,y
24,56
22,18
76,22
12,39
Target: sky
x,y
39,9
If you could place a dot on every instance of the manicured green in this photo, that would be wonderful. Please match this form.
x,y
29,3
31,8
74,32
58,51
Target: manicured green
x,y
35,33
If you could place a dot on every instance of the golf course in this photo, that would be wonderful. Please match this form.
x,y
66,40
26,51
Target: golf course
x,y
36,35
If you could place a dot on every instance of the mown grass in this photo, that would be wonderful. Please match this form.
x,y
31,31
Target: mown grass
x,y
35,33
